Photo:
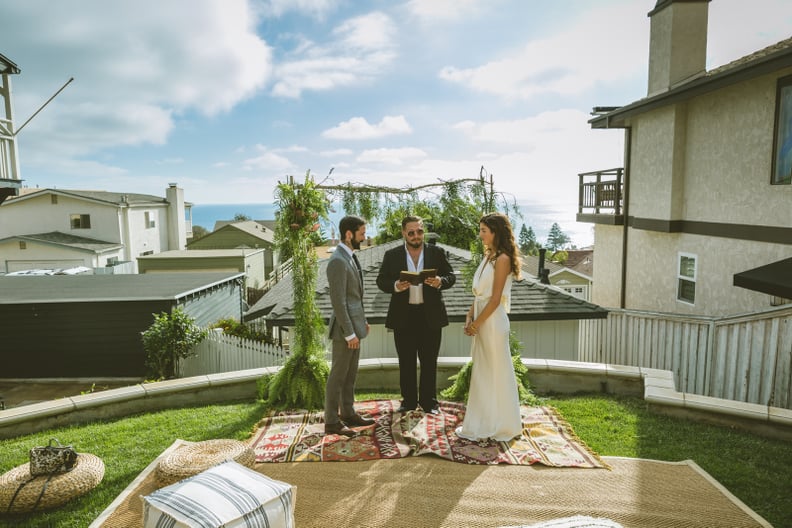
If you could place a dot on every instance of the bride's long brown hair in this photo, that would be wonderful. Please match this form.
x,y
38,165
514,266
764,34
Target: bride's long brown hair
x,y
503,240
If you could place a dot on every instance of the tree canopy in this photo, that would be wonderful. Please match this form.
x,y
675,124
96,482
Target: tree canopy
x,y
556,238
527,241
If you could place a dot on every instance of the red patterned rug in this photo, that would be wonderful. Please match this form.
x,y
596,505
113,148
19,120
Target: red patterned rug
x,y
546,438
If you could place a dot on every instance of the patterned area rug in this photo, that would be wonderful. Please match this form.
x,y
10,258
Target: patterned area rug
x,y
546,438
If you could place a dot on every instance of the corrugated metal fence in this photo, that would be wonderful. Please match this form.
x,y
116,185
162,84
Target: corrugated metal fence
x,y
744,358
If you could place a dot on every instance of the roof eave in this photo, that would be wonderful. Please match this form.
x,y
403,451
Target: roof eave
x,y
707,83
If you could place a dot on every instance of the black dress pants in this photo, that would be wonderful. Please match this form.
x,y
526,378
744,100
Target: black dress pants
x,y
422,342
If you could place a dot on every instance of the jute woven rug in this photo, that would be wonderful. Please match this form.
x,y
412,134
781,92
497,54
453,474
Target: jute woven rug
x,y
299,437
428,491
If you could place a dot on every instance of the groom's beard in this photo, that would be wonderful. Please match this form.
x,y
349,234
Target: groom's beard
x,y
354,244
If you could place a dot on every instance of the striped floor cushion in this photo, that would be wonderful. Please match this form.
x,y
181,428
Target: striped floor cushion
x,y
228,495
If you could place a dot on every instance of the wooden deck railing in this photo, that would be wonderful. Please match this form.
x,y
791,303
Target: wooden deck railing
x,y
601,192
744,358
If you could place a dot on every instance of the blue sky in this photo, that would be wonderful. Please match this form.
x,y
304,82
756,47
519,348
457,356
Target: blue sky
x,y
226,97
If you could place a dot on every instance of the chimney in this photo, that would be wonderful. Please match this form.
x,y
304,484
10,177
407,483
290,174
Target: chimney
x,y
677,43
543,274
177,224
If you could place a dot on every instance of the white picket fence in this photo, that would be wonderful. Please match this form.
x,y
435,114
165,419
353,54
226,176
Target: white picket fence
x,y
744,358
226,353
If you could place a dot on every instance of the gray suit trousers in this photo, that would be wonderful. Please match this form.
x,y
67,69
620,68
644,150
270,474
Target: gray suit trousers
x,y
340,390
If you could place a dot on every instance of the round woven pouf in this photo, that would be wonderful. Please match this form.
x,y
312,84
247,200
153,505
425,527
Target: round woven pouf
x,y
192,459
59,489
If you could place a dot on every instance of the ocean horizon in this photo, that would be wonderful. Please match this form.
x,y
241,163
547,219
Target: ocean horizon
x,y
540,217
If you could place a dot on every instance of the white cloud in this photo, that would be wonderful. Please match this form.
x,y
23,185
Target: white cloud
x,y
269,161
737,28
568,62
439,10
363,49
359,128
336,153
391,156
133,72
314,8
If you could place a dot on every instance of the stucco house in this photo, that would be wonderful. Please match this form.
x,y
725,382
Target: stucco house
x,y
574,276
698,220
251,262
544,318
56,228
245,234
76,326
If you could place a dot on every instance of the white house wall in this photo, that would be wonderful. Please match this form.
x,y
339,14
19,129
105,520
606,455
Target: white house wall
x,y
605,291
728,171
142,239
708,161
540,339
40,215
44,256
256,273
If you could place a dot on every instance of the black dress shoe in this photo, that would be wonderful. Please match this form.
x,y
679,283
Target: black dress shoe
x,y
339,429
403,409
357,421
434,410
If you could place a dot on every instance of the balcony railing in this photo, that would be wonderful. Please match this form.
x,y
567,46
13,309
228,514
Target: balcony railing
x,y
601,193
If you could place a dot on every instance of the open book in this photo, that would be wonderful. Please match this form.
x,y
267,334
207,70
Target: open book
x,y
417,277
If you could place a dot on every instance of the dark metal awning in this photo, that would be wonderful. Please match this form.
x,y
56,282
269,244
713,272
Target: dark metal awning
x,y
774,279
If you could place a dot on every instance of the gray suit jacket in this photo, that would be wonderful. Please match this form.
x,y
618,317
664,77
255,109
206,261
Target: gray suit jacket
x,y
346,296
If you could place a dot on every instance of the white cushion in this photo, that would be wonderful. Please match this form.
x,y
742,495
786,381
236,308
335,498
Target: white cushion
x,y
228,495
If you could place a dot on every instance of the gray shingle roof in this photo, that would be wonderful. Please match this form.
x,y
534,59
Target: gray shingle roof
x,y
57,238
94,288
531,301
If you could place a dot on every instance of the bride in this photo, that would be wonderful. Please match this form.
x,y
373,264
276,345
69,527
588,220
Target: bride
x,y
493,407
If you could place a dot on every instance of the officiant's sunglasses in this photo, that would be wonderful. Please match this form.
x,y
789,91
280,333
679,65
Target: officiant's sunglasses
x,y
416,232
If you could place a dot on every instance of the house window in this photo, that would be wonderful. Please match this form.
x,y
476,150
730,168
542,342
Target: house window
x,y
112,261
22,244
782,139
686,278
80,221
54,199
146,253
149,220
581,292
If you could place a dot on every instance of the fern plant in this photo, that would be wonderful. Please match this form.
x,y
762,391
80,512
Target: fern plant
x,y
301,382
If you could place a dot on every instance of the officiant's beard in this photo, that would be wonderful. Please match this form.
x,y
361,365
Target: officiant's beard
x,y
415,245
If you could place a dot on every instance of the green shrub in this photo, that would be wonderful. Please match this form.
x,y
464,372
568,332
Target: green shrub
x,y
233,327
170,338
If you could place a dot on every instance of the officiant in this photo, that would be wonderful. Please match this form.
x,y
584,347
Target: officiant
x,y
416,313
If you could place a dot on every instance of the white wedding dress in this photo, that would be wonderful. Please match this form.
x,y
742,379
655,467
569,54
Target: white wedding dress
x,y
493,407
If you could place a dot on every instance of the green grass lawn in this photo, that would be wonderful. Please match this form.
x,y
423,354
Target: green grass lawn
x,y
754,469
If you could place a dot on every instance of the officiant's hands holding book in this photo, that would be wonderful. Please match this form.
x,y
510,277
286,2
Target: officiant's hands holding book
x,y
414,278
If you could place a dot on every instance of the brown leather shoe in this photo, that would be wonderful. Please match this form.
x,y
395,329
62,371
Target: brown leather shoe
x,y
357,421
339,429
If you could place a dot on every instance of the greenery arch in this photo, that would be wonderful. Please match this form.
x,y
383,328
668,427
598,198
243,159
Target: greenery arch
x,y
301,208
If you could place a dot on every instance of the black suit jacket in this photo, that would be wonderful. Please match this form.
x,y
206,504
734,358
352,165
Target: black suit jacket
x,y
395,261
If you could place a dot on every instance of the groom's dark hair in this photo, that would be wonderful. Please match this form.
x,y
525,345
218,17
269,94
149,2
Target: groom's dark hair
x,y
349,223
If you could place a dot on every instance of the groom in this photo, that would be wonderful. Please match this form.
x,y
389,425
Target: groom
x,y
416,313
348,326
